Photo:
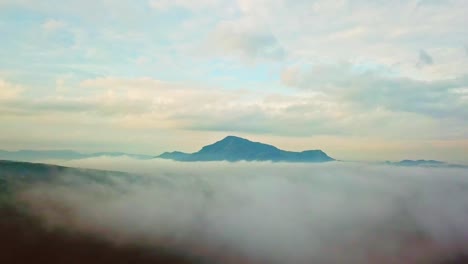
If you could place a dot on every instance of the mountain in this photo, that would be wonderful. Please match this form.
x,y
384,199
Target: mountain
x,y
38,155
233,148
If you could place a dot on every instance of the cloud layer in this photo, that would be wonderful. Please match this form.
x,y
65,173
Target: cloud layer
x,y
271,213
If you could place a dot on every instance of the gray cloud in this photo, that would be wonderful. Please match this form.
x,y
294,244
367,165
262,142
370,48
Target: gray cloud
x,y
271,213
298,119
339,101
245,39
378,89
435,98
76,106
424,58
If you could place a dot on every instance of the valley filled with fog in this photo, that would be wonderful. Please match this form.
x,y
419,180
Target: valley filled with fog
x,y
263,212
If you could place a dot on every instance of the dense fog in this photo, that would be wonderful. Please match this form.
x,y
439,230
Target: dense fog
x,y
262,212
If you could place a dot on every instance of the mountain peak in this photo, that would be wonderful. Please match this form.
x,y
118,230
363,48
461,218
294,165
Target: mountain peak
x,y
234,138
233,148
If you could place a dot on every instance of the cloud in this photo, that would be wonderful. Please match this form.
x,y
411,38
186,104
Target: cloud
x,y
52,25
268,212
163,5
247,40
374,88
424,58
316,32
9,91
116,111
116,83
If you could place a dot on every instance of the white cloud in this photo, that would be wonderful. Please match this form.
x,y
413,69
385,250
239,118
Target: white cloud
x,y
246,39
111,107
116,83
269,212
52,25
188,4
212,109
324,31
9,91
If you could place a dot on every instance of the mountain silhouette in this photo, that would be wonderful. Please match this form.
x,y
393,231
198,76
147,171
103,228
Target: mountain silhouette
x,y
233,148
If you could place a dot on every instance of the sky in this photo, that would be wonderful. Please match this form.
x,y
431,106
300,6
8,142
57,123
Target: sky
x,y
359,79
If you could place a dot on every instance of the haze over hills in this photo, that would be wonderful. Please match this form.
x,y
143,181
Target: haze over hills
x,y
38,155
424,163
274,213
25,240
230,148
233,148
13,172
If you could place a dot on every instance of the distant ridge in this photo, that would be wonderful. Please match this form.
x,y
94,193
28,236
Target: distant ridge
x,y
424,163
233,148
41,155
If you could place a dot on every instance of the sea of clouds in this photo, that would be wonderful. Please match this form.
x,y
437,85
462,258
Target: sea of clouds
x,y
262,212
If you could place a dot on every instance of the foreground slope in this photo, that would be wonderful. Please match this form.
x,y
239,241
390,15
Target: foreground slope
x,y
28,239
233,148
14,174
17,171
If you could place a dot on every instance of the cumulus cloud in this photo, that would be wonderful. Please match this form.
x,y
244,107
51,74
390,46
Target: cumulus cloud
x,y
269,213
